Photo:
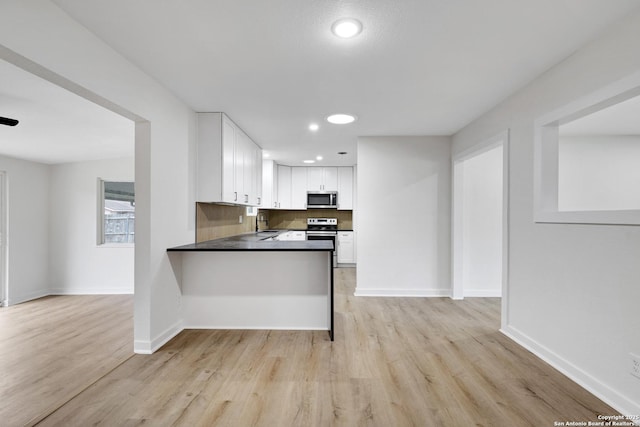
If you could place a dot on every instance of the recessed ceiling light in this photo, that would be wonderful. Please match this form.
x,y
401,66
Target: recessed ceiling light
x,y
308,161
265,154
318,158
341,119
346,28
314,127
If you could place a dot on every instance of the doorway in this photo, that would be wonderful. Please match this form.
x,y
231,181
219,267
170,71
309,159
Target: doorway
x,y
53,201
480,220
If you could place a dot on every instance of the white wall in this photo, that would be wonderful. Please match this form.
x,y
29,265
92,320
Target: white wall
x,y
27,234
403,216
482,224
598,172
77,264
40,37
573,289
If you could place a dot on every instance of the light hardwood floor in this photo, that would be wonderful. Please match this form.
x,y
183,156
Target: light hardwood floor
x,y
395,362
53,348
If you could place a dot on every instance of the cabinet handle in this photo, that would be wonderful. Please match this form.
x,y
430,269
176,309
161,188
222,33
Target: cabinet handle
x,y
259,200
275,204
235,196
246,198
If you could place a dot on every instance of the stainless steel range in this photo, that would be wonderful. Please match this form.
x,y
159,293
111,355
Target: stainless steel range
x,y
323,229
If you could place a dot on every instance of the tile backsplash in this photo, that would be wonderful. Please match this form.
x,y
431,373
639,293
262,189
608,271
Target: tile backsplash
x,y
297,220
215,221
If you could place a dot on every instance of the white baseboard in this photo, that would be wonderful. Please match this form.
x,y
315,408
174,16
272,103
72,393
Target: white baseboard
x,y
92,291
149,347
611,397
483,293
28,297
257,328
360,292
66,291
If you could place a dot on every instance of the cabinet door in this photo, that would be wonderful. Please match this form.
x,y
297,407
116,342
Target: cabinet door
x,y
267,184
298,187
249,168
298,235
322,179
257,176
284,187
345,247
229,193
345,188
239,168
330,179
274,187
314,179
293,235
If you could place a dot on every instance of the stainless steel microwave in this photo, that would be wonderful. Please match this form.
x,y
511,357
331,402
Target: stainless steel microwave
x,y
322,199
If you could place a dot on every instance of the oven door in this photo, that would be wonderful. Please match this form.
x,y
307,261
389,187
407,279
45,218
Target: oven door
x,y
323,235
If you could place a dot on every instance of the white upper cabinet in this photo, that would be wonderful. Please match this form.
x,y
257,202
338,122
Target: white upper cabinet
x,y
284,187
228,169
257,177
322,179
249,176
207,167
345,188
242,168
299,187
314,179
269,184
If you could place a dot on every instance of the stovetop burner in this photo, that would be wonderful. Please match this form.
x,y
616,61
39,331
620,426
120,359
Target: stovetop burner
x,y
322,224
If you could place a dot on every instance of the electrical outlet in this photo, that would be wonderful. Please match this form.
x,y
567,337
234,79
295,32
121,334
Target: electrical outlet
x,y
240,219
635,365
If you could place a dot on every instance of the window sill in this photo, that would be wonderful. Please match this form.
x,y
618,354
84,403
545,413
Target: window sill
x,y
116,245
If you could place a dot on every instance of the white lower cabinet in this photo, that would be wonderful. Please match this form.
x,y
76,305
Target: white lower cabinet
x,y
346,248
293,235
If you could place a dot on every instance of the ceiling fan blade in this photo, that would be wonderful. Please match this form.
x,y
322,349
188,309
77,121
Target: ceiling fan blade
x,y
7,121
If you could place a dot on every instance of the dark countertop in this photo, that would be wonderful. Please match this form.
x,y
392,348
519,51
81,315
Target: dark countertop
x,y
255,242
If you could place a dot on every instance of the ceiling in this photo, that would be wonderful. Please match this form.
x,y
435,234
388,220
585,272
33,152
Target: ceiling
x,y
57,126
419,67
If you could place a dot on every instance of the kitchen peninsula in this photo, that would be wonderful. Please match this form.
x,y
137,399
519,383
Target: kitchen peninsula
x,y
250,281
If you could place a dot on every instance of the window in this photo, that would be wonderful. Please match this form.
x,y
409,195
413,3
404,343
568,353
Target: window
x,y
586,157
116,212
